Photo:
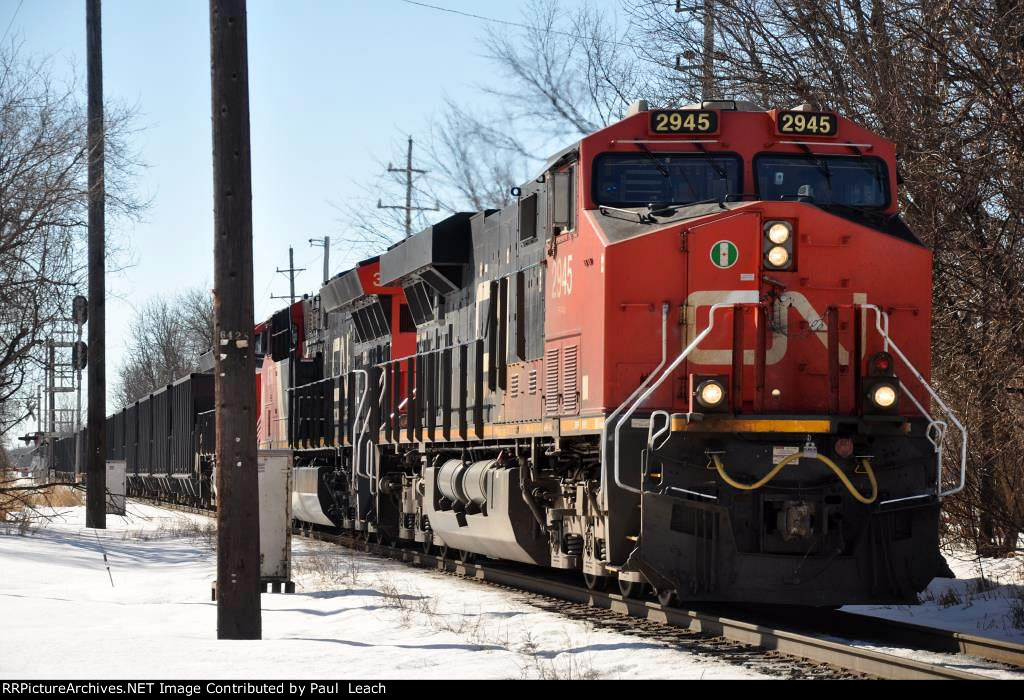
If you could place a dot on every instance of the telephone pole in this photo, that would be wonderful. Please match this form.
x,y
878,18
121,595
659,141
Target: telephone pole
x,y
96,452
409,208
291,276
708,82
324,243
238,524
707,64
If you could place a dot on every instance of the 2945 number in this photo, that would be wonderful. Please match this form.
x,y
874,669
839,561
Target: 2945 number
x,y
814,123
688,121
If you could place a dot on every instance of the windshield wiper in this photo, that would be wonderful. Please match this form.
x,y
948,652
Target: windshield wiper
x,y
821,164
604,209
661,168
711,161
663,210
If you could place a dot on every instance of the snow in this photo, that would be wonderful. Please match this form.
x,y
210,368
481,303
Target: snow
x,y
354,615
985,599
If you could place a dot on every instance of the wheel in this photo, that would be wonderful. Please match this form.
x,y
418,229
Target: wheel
x,y
667,597
631,589
466,557
595,582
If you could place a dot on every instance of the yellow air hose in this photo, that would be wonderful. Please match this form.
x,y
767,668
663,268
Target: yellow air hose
x,y
821,458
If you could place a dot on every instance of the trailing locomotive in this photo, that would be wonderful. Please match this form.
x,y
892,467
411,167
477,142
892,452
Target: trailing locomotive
x,y
693,356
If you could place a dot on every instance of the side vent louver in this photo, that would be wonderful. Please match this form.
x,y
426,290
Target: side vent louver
x,y
551,382
570,393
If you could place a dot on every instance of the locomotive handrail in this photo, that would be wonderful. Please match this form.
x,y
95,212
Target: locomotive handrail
x,y
654,387
368,457
358,437
936,429
611,417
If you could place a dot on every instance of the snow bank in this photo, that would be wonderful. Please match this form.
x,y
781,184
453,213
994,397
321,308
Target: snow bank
x,y
353,615
986,598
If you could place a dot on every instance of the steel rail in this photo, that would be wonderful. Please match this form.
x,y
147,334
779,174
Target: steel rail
x,y
764,635
804,646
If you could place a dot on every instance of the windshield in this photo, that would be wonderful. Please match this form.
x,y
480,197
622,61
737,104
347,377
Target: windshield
x,y
847,180
639,179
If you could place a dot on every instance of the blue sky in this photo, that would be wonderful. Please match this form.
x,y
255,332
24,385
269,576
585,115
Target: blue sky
x,y
335,86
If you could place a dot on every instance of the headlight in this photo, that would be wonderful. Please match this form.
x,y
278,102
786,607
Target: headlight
x,y
778,233
778,256
884,396
710,394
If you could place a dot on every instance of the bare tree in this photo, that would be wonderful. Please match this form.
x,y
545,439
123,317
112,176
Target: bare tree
x,y
166,339
570,74
42,212
567,75
467,170
945,83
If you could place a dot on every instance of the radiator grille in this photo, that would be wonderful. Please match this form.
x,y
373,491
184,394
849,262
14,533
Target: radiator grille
x,y
551,382
570,394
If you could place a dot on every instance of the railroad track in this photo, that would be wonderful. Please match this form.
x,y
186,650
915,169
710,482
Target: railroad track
x,y
805,644
801,636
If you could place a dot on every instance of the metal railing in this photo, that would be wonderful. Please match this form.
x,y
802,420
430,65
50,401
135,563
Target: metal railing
x,y
936,431
647,388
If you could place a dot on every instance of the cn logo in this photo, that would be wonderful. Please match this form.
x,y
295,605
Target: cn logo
x,y
779,339
724,254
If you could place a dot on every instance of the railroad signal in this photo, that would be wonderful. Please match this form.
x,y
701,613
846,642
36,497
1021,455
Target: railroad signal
x,y
79,355
80,310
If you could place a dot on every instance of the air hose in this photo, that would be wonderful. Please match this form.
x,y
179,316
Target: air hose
x,y
866,500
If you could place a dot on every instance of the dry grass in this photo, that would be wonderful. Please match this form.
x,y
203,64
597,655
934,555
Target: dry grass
x,y
329,567
534,662
22,506
59,496
202,532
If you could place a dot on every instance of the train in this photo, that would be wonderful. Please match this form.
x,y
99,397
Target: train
x,y
690,359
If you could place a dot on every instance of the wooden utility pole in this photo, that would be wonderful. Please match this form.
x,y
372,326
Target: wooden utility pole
x,y
291,277
410,173
708,79
96,441
324,243
707,64
238,525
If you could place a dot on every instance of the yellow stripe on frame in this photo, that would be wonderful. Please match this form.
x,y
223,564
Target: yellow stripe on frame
x,y
752,425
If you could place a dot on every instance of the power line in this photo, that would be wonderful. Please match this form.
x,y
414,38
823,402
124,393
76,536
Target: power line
x,y
520,25
11,23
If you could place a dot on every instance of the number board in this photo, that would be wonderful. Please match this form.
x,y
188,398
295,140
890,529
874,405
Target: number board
x,y
687,121
807,123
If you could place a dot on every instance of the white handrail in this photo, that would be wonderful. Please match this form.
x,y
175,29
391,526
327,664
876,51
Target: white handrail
x,y
938,426
368,458
611,417
357,438
654,387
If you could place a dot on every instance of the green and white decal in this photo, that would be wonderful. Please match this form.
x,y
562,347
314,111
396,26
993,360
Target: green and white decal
x,y
724,254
